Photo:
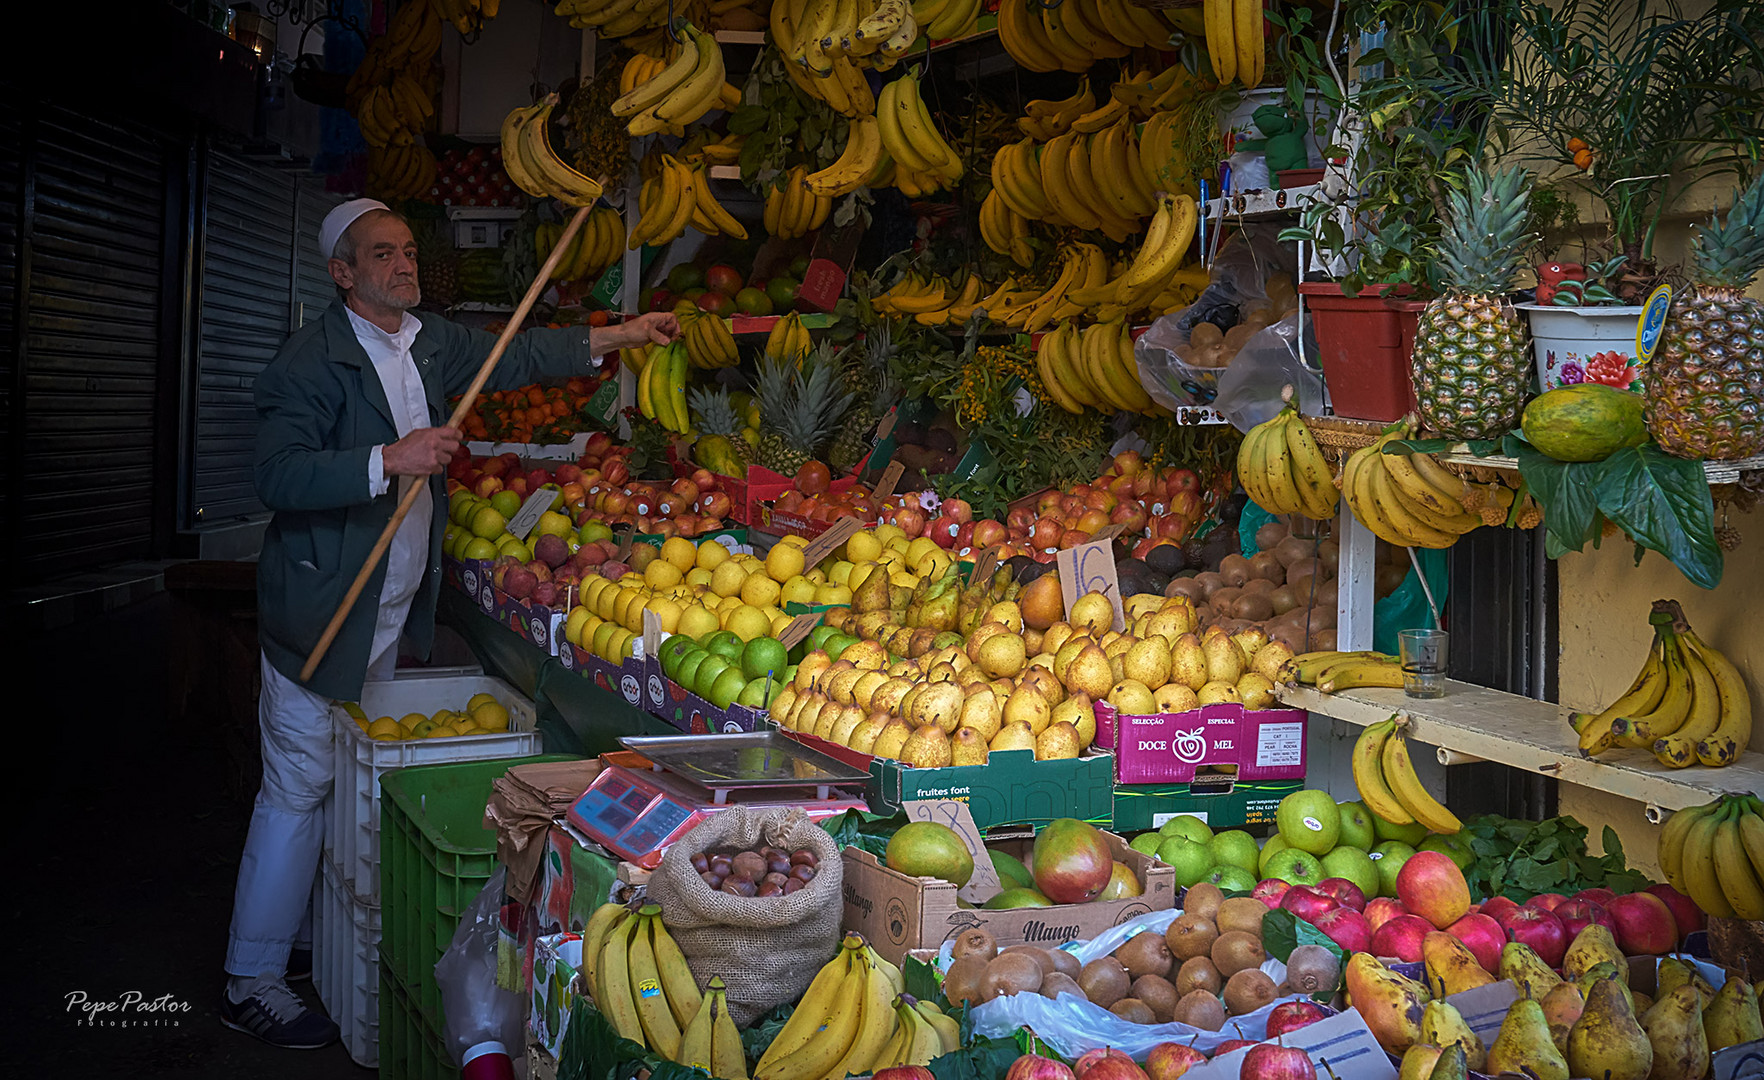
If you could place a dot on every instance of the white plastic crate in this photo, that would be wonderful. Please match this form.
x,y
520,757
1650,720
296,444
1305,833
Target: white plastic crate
x,y
346,963
352,828
482,226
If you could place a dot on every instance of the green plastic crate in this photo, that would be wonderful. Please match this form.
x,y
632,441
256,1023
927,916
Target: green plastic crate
x,y
410,1043
435,856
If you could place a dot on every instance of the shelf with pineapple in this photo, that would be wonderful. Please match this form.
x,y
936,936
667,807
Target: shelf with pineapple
x,y
762,324
1718,472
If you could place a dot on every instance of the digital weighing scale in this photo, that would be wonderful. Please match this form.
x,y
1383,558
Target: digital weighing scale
x,y
646,799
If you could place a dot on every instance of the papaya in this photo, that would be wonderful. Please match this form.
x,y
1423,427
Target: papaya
x,y
717,454
1584,422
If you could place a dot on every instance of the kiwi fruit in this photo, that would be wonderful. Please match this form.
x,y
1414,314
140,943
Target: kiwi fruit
x,y
1267,566
1199,1008
1010,973
962,981
1312,969
1036,953
1196,974
1242,913
1104,981
1247,991
1222,600
1203,899
1234,952
1191,934
1065,963
1252,606
1134,1011
974,941
1159,994
1235,569
1146,954
1060,983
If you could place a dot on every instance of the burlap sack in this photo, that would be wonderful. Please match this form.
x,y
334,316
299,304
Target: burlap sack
x,y
768,949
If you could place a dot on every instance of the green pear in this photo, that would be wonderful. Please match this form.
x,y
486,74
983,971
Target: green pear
x,y
1562,1006
1671,974
1524,1046
1593,945
1443,1025
1607,1043
1452,1064
1604,969
1520,963
1418,1062
1675,1031
1732,1017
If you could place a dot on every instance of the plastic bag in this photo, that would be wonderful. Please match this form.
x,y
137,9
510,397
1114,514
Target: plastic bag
x,y
1180,364
475,1010
1250,389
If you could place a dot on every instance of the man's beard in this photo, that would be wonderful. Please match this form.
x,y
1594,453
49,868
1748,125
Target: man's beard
x,y
391,299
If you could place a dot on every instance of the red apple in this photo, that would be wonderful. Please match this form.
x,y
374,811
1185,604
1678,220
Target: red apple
x,y
1431,885
1092,520
964,535
1271,1061
1346,893
567,473
1232,1044
1400,937
495,466
957,510
686,489
1020,517
1183,480
1270,891
487,486
1382,909
1090,1058
1577,915
537,478
1028,1067
1185,503
715,504
911,521
518,485
1600,897
1483,937
1548,901
616,472
1539,929
1046,533
1496,906
1292,1015
1071,538
987,533
943,531
1346,927
1168,1060
1131,514
724,279
1645,926
1128,462
706,480
1307,903
1686,915
598,443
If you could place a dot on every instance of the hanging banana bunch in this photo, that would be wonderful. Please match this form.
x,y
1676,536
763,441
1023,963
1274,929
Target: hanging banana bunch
x,y
534,166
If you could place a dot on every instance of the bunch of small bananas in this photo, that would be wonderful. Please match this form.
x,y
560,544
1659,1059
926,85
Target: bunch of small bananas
x,y
674,195
1330,670
792,210
596,245
855,1018
1234,40
789,339
392,96
613,18
1388,784
1405,499
1714,854
1004,230
639,980
862,163
410,42
1102,180
661,387
1093,368
924,161
1071,36
1283,469
825,46
709,344
1688,703
681,92
534,166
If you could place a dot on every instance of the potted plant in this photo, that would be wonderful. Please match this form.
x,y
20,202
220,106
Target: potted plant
x,y
1580,330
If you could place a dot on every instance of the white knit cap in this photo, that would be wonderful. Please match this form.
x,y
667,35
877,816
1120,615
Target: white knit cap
x,y
337,222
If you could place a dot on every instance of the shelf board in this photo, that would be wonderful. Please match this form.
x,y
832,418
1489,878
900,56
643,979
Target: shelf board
x,y
1262,202
724,172
1718,472
740,37
1477,722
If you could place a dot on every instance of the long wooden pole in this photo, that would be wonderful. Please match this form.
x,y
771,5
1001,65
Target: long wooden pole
x,y
465,406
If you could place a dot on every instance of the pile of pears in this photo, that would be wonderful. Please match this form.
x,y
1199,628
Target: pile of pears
x,y
1584,1021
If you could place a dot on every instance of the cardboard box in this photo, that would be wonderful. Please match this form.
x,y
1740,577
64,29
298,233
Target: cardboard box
x,y
1340,1046
692,714
556,959
895,912
1221,802
1169,748
626,679
536,624
533,454
469,576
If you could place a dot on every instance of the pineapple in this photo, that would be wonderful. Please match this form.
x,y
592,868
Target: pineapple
x,y
1472,360
801,409
867,378
720,447
437,269
1705,384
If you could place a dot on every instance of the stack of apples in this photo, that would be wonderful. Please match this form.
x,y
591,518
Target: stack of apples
x,y
689,506
602,461
813,497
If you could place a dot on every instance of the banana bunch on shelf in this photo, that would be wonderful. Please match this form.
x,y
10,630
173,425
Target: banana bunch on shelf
x,y
682,92
1093,368
675,195
1157,267
945,20
410,43
613,18
1385,775
1147,94
1234,40
596,246
1688,704
534,166
722,151
1004,230
1283,469
661,389
709,344
1330,670
1043,119
862,163
1073,35
792,210
391,94
1714,854
924,161
789,339
399,172
1405,499
826,43
626,958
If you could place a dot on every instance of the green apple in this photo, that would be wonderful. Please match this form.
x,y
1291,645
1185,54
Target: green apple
x,y
1296,867
1274,846
1454,846
1410,834
727,687
1146,843
1309,820
1189,826
1231,878
1234,847
1356,826
1190,860
1355,865
1389,857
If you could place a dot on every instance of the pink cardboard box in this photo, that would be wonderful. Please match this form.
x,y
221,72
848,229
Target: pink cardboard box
x,y
1172,747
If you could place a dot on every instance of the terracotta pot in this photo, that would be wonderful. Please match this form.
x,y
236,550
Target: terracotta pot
x,y
1364,343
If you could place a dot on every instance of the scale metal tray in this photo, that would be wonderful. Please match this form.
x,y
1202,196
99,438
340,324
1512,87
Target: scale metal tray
x,y
744,761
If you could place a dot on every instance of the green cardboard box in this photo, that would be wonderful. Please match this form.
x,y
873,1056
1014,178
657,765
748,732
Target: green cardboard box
x,y
1012,788
1228,805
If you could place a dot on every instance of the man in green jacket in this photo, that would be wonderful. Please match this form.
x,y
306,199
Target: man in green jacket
x,y
349,413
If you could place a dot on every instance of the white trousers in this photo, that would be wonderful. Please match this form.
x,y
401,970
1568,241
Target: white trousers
x,y
271,902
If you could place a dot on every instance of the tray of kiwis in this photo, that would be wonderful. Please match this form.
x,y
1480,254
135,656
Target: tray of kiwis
x,y
1201,971
764,871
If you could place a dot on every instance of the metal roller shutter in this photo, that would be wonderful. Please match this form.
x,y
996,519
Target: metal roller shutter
x,y
11,167
313,288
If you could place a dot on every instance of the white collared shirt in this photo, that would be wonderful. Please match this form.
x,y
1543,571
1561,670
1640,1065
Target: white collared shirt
x,y
407,560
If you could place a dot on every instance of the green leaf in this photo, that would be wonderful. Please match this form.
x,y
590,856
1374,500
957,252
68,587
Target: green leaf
x,y
758,1035
1664,504
1565,490
987,1059
1418,446
592,1050
1282,932
920,978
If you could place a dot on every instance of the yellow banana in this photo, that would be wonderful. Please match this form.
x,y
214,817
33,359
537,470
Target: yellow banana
x,y
1642,697
1751,831
728,1059
1733,730
1678,748
601,924
805,1020
1672,707
1221,39
836,1027
1362,673
1423,807
1368,769
695,1038
949,1033
1246,30
619,1004
677,983
1698,863
1733,870
875,1024
1672,839
1310,472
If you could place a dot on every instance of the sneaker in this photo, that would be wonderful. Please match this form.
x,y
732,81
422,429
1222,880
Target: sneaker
x,y
299,965
273,1013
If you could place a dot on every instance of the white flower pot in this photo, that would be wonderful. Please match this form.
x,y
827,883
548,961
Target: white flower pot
x,y
1570,340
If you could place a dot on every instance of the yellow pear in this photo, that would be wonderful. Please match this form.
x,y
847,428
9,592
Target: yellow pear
x,y
1032,640
1078,711
863,737
1175,698
1026,705
1249,641
1058,741
891,738
1132,698
1120,646
1014,737
980,636
828,718
810,667
887,696
1067,653
1006,612
840,682
1217,693
868,655
1139,605
808,713
864,690
1255,691
938,703
1188,662
1002,655
1055,636
971,676
1148,662
982,712
1042,659
1092,612
926,748
1224,660
1269,659
1117,667
1169,623
849,718
940,672
906,705
1041,679
1089,673
1109,639
967,747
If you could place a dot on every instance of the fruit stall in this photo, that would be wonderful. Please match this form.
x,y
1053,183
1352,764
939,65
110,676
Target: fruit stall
x,y
1020,626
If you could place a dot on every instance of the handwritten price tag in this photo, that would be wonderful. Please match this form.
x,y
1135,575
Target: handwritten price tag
x,y
652,633
799,627
890,478
527,517
1108,532
984,564
886,427
984,884
822,546
1090,568
628,538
